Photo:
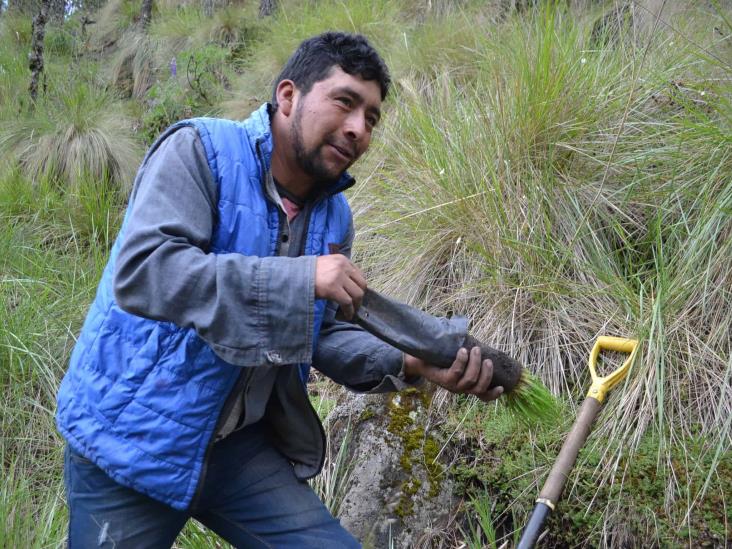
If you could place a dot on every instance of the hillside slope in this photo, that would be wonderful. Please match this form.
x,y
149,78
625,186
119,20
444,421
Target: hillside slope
x,y
552,174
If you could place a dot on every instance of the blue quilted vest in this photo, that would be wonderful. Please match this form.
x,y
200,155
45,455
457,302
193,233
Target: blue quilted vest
x,y
142,398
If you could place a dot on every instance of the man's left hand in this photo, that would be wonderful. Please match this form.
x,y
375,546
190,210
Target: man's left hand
x,y
466,375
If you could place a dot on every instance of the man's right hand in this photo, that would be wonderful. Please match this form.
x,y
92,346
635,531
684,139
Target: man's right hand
x,y
339,280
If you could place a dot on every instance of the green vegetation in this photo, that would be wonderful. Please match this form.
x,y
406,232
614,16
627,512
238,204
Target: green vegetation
x,y
498,488
332,482
531,401
545,174
568,189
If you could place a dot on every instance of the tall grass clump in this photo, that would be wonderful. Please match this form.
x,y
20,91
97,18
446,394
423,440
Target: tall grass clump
x,y
135,65
76,134
573,189
177,28
13,79
113,20
32,514
232,26
438,45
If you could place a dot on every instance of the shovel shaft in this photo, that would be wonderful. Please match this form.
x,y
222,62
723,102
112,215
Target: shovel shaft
x,y
557,478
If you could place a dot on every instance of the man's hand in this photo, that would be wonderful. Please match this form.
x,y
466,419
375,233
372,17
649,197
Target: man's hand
x,y
339,280
466,375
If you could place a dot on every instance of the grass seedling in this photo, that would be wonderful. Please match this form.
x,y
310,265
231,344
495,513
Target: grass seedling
x,y
531,401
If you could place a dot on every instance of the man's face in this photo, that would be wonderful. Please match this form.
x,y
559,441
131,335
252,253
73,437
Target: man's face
x,y
332,124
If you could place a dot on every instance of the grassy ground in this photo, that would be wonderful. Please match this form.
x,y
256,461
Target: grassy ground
x,y
550,178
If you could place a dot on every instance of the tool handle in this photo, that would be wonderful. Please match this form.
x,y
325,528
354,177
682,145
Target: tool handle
x,y
601,385
618,344
534,526
554,483
557,478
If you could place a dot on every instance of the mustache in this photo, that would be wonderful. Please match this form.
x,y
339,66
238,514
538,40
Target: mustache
x,y
346,148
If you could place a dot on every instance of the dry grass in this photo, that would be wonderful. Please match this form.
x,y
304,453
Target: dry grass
x,y
568,192
74,137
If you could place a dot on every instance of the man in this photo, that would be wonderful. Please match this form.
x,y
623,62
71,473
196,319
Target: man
x,y
185,396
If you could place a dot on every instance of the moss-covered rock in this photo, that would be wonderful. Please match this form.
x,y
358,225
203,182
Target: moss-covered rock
x,y
398,489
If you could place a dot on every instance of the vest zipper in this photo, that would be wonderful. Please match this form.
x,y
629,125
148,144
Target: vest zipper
x,y
235,392
241,379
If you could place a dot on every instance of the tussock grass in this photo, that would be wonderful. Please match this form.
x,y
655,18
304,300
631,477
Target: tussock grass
x,y
13,76
563,192
332,483
178,28
113,19
15,29
134,67
379,20
73,137
32,515
48,275
233,26
442,44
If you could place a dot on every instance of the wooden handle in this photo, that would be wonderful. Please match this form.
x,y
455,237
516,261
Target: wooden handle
x,y
554,484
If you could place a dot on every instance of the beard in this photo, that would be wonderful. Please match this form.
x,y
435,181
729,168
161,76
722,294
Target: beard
x,y
311,161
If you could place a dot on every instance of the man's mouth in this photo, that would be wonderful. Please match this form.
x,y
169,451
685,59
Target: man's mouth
x,y
343,151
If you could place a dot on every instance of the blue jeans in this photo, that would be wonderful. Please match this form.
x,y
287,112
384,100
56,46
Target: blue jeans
x,y
250,497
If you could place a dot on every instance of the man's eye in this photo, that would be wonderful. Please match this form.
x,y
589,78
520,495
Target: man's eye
x,y
346,101
372,121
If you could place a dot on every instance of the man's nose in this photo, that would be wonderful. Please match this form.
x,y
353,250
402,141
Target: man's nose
x,y
356,127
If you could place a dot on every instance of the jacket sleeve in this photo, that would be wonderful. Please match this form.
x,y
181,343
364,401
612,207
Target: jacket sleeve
x,y
351,356
250,310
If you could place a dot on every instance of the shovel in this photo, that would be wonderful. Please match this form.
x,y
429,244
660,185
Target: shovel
x,y
557,478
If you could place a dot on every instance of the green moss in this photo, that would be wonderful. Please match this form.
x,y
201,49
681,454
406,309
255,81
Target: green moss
x,y
435,470
405,507
322,405
366,415
417,447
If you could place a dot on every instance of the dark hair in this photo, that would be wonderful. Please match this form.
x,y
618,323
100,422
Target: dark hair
x,y
315,57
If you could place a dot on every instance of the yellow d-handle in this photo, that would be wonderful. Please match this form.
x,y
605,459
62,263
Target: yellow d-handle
x,y
601,385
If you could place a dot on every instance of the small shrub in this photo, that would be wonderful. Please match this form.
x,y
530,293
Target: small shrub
x,y
206,73
168,104
194,91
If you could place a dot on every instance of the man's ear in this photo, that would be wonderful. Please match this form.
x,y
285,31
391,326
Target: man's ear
x,y
285,93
